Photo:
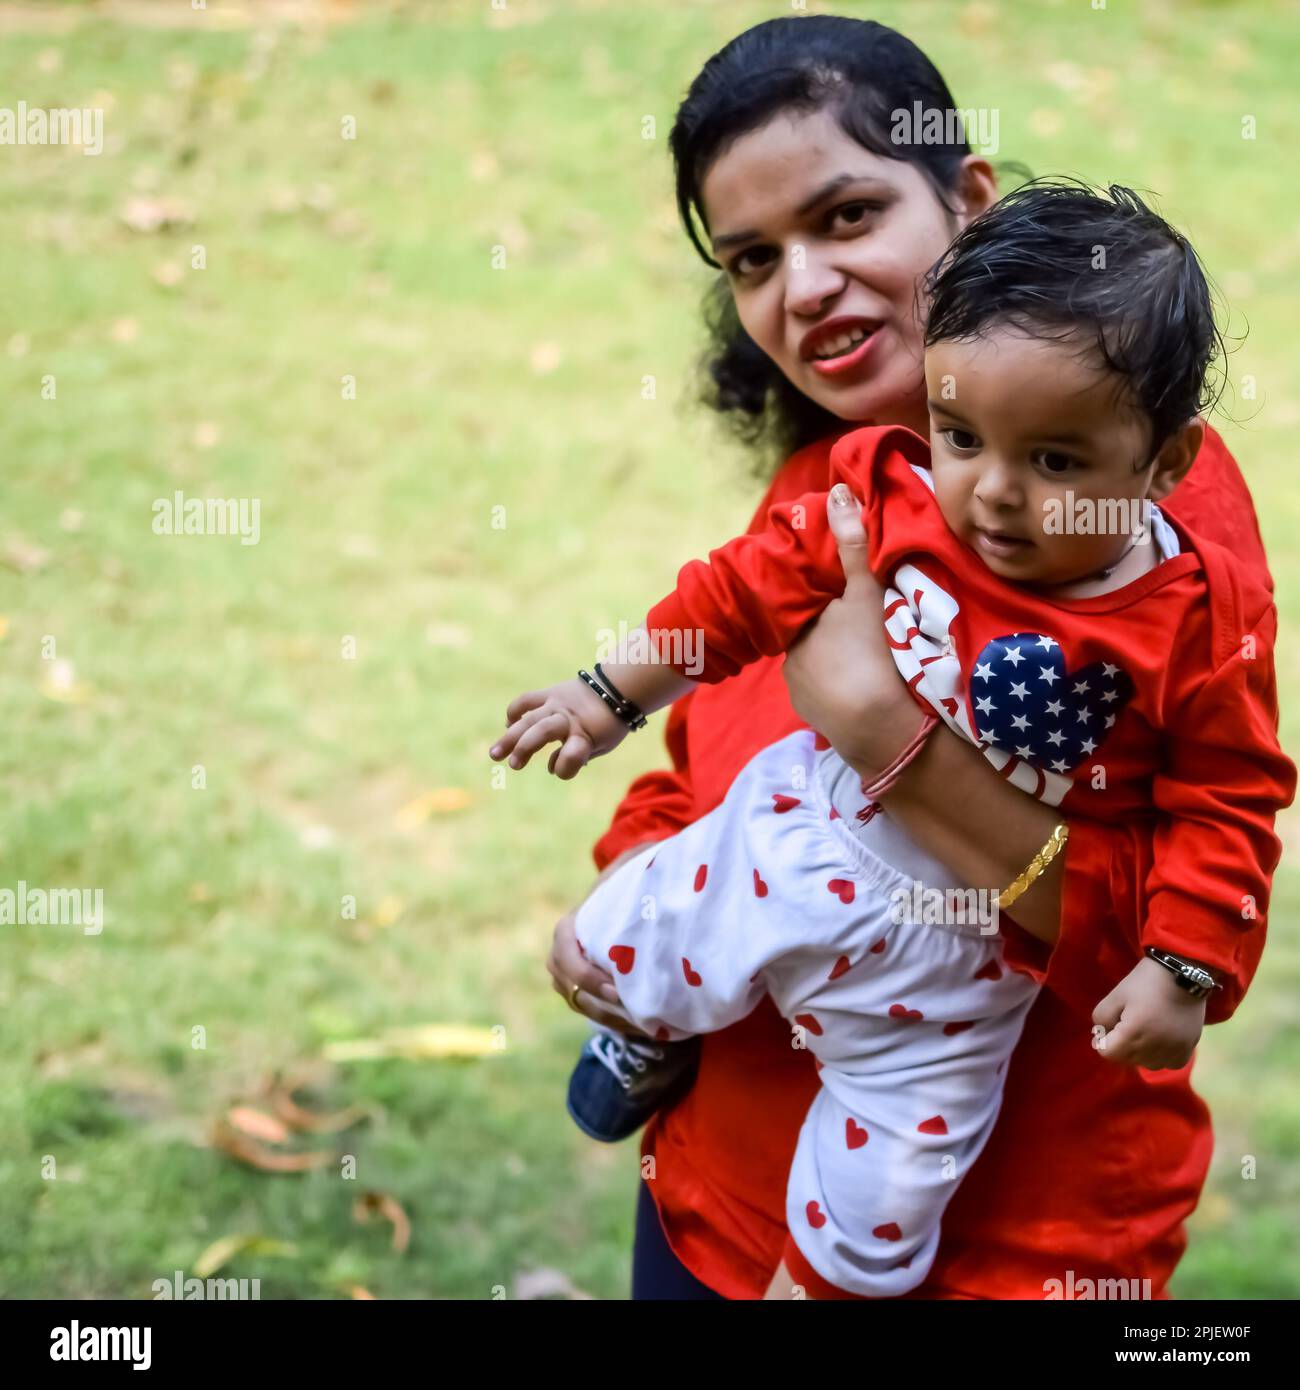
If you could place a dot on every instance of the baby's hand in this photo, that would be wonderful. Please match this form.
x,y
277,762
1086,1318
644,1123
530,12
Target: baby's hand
x,y
570,714
1148,1021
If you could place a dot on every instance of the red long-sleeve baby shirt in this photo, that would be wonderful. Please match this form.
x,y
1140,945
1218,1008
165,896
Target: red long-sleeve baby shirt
x,y
1155,700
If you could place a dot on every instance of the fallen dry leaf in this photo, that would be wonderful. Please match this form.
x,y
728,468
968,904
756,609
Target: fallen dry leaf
x,y
155,214
388,909
437,802
380,1204
431,1041
247,1150
259,1124
222,1251
308,1121
24,556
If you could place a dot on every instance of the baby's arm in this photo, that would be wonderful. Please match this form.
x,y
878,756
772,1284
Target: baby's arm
x,y
1214,855
574,716
750,599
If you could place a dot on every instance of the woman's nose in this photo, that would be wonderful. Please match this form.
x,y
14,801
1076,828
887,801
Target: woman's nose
x,y
809,282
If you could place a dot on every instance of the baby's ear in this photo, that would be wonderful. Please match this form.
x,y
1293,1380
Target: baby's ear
x,y
1176,457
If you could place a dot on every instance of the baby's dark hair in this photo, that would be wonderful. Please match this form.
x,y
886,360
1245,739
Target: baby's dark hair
x,y
1058,259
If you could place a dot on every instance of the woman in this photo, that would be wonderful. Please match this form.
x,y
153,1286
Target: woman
x,y
823,225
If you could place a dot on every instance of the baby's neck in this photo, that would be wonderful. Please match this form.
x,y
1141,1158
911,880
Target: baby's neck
x,y
1141,557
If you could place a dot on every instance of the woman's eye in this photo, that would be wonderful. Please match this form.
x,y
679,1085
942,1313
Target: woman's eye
x,y
1053,461
961,440
758,255
855,214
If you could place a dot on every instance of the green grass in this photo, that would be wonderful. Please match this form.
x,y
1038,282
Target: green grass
x,y
477,388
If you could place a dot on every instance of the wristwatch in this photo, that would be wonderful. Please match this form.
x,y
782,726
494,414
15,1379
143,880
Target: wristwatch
x,y
1195,979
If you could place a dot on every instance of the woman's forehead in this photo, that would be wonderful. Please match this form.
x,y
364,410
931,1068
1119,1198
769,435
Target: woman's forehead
x,y
773,171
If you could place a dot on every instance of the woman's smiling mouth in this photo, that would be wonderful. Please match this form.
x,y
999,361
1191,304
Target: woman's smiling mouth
x,y
838,345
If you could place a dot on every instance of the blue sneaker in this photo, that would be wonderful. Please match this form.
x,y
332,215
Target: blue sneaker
x,y
619,1082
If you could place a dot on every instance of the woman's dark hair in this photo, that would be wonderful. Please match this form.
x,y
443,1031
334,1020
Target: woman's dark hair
x,y
859,71
1057,259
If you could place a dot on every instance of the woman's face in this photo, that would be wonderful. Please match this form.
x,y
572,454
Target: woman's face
x,y
823,242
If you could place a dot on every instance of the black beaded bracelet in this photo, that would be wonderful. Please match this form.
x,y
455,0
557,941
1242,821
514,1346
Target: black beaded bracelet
x,y
626,710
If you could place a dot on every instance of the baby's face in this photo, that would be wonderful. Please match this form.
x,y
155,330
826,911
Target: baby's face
x,y
1022,432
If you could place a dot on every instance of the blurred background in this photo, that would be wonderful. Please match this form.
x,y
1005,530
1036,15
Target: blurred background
x,y
397,272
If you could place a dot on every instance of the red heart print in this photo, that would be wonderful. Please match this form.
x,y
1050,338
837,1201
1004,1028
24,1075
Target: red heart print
x,y
622,956
662,1034
781,804
854,1135
692,976
820,742
760,888
903,1264
906,1014
951,1029
878,947
934,1125
701,875
816,1217
809,1022
841,967
991,971
889,1231
834,815
842,888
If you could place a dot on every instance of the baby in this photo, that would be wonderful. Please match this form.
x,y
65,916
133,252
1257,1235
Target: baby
x,y
1039,604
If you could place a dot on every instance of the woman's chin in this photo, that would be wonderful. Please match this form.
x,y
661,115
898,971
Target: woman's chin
x,y
883,398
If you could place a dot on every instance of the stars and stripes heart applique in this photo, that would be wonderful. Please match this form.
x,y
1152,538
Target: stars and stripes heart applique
x,y
1027,703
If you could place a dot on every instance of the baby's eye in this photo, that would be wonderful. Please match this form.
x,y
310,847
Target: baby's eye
x,y
1054,461
961,440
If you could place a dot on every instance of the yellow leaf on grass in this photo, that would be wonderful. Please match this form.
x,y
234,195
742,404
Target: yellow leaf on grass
x,y
437,802
432,1040
222,1251
387,910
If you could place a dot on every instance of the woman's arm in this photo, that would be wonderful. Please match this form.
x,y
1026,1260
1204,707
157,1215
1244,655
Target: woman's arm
x,y
843,681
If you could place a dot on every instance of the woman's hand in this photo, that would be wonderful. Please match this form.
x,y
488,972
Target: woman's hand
x,y
841,677
569,967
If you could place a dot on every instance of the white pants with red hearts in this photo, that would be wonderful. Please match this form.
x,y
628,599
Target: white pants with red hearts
x,y
795,887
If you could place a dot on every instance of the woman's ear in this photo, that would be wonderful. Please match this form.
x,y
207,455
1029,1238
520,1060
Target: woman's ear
x,y
1176,457
977,187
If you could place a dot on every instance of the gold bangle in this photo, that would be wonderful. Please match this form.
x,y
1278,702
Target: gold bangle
x,y
1055,844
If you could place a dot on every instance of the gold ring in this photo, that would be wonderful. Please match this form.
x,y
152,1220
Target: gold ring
x,y
573,998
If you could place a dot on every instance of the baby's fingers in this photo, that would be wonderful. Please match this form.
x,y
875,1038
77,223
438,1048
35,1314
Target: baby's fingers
x,y
521,704
552,728
569,759
507,741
